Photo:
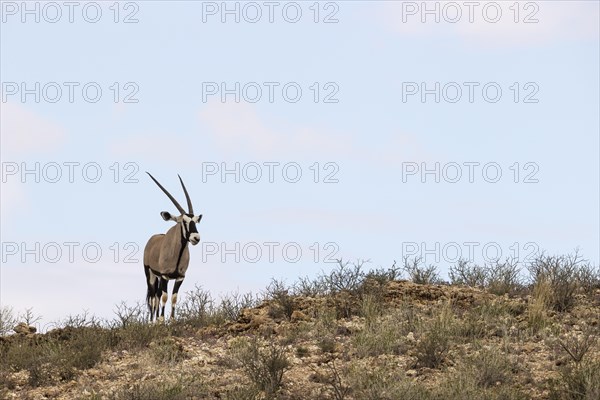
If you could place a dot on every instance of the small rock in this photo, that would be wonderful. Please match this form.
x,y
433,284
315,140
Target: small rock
x,y
20,378
23,328
299,316
343,330
410,337
257,321
561,361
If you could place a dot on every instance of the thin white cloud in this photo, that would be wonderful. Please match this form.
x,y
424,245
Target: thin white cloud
x,y
12,198
237,129
402,147
556,20
25,132
150,146
328,219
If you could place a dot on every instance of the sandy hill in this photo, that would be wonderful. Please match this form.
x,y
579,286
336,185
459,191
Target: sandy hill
x,y
374,338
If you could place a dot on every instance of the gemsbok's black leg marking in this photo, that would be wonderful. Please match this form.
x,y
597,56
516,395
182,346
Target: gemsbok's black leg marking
x,y
156,297
176,286
151,293
164,295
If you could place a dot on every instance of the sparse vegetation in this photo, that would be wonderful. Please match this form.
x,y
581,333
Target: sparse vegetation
x,y
345,277
283,302
589,277
167,350
504,277
539,304
308,287
183,388
577,346
55,359
264,365
233,304
563,274
384,275
339,388
127,315
302,351
197,308
578,382
8,320
579,377
350,333
434,342
468,274
489,367
381,334
420,273
497,277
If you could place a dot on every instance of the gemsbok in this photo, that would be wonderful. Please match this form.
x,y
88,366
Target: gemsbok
x,y
166,255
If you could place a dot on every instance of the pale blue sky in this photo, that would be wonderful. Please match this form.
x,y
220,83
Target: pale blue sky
x,y
369,133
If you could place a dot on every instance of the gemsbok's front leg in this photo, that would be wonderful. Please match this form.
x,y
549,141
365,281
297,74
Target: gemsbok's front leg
x,y
176,286
151,293
156,309
164,283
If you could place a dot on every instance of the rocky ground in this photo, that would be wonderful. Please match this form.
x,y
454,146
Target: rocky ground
x,y
392,340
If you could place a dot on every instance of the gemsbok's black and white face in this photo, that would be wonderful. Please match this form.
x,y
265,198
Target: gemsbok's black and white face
x,y
187,220
188,225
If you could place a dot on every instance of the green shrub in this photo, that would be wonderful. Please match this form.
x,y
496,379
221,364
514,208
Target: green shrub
x,y
282,302
498,277
381,334
326,344
489,367
345,277
8,320
562,274
56,356
196,305
577,382
435,339
167,350
577,346
467,274
503,277
310,287
232,305
264,366
137,335
184,388
420,273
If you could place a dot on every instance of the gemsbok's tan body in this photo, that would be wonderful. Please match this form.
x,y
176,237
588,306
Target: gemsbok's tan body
x,y
167,256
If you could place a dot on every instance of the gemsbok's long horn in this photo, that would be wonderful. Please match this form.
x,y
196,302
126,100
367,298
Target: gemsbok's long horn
x,y
187,196
181,210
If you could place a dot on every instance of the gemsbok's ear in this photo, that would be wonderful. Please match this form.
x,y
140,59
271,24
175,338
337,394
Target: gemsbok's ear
x,y
197,218
166,215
